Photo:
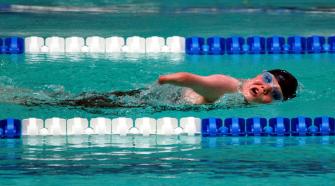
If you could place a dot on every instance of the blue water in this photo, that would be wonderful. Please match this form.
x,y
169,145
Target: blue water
x,y
160,160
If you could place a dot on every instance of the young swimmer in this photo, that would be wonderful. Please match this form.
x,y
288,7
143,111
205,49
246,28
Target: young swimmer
x,y
270,85
264,88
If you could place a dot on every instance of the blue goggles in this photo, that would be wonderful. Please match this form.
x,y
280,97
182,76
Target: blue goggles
x,y
275,93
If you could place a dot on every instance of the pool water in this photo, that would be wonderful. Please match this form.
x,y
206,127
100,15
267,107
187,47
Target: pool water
x,y
167,161
158,160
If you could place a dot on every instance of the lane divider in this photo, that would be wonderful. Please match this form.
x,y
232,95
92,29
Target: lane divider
x,y
207,127
215,45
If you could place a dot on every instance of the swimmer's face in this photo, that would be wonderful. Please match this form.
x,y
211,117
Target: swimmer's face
x,y
264,88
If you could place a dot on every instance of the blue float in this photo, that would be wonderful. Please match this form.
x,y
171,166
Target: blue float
x,y
302,126
235,126
315,44
296,45
14,45
325,126
275,45
212,127
216,45
257,126
280,126
235,45
194,45
331,44
256,45
2,47
10,128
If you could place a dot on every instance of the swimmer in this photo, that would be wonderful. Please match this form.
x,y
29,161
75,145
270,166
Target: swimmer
x,y
266,87
193,89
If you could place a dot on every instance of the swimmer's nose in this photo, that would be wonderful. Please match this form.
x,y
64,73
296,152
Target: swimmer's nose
x,y
266,89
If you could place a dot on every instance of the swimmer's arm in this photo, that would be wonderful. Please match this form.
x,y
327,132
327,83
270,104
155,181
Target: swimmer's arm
x,y
211,87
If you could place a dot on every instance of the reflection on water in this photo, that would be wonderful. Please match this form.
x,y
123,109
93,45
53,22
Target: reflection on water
x,y
174,155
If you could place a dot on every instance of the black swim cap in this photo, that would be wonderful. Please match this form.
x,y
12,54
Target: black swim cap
x,y
287,82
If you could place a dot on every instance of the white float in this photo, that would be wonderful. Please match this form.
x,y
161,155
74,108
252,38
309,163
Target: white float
x,y
54,126
167,126
154,44
135,44
33,44
176,44
74,44
31,126
146,126
101,125
191,125
96,44
121,125
114,44
76,126
55,44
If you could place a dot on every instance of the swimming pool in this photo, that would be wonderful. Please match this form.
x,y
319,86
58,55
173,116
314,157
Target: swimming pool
x,y
163,160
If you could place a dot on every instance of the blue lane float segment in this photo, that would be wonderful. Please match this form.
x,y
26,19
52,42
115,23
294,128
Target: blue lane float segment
x,y
296,45
14,45
2,46
234,45
331,44
235,126
275,45
302,126
315,44
212,127
216,45
325,126
256,45
10,128
280,126
257,126
194,45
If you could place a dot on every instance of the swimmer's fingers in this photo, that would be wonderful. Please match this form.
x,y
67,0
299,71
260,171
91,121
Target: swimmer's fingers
x,y
162,80
176,79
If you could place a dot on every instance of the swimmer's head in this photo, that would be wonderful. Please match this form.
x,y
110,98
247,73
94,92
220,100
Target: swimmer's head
x,y
269,86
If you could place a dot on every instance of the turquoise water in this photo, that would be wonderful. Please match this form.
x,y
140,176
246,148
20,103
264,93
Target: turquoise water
x,y
158,160
167,161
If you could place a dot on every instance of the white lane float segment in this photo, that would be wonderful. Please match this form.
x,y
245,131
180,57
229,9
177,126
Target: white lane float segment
x,y
121,125
154,44
167,126
176,44
77,126
74,44
54,126
146,126
101,125
96,44
191,125
33,44
31,126
135,44
55,44
114,44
